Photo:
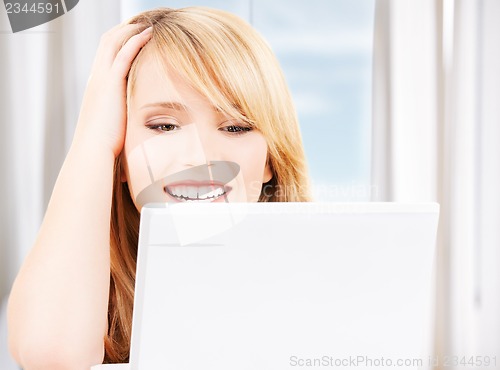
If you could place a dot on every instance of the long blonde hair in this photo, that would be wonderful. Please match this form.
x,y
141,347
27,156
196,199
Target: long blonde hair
x,y
228,62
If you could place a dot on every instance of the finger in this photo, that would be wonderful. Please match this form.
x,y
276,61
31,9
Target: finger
x,y
129,51
113,40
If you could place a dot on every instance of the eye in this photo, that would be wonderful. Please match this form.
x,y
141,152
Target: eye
x,y
235,128
166,127
163,125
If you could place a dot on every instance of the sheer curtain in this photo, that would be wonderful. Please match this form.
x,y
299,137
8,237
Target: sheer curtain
x,y
436,137
43,73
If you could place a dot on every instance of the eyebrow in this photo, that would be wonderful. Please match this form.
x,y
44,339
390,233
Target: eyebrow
x,y
169,105
172,105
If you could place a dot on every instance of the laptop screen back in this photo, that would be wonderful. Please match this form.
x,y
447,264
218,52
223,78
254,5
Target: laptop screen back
x,y
273,286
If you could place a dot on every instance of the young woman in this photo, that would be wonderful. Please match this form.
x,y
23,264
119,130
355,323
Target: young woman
x,y
172,94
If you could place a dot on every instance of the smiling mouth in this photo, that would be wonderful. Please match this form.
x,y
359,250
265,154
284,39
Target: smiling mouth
x,y
196,192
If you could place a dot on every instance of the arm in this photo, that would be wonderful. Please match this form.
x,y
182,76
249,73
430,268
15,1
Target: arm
x,y
57,313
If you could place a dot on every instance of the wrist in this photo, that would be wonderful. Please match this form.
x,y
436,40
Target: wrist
x,y
92,148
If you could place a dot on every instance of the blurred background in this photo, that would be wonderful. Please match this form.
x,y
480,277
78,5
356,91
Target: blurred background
x,y
398,100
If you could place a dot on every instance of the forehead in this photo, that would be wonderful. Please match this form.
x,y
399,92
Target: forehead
x,y
155,83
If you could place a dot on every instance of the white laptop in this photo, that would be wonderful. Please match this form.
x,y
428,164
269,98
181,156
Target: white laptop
x,y
273,286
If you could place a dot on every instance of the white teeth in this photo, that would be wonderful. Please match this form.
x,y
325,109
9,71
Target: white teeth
x,y
204,193
192,192
184,192
175,191
209,193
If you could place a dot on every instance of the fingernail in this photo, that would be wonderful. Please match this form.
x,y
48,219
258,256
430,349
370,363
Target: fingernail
x,y
148,30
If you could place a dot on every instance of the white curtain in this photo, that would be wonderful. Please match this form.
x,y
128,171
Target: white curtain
x,y
43,73
436,137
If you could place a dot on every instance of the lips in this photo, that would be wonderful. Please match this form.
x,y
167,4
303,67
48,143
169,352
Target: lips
x,y
205,183
196,192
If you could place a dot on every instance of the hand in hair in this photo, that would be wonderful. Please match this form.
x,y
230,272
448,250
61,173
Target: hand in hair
x,y
103,114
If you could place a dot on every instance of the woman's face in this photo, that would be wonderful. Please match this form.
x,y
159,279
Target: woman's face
x,y
180,148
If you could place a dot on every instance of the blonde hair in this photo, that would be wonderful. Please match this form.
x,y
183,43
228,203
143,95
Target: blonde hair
x,y
229,63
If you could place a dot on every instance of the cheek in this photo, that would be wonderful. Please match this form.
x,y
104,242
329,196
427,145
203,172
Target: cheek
x,y
138,177
147,162
252,156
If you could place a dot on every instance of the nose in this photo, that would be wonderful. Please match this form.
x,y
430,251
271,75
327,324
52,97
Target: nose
x,y
197,148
